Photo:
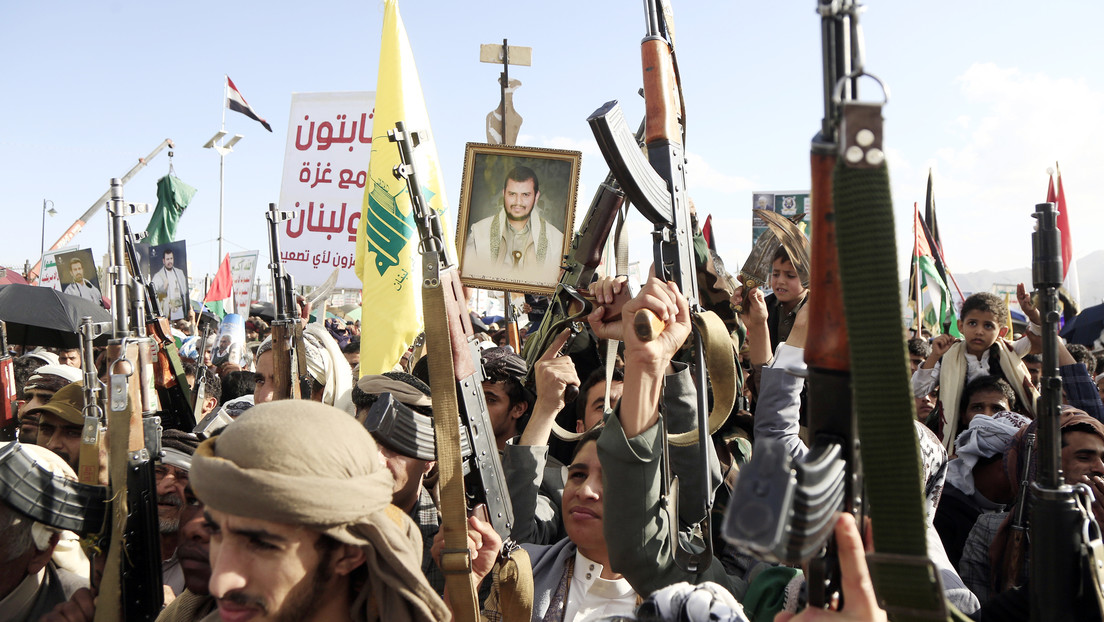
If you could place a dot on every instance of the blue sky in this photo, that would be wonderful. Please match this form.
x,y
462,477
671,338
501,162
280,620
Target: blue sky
x,y
989,94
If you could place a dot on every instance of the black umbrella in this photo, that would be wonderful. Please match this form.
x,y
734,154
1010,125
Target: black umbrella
x,y
264,310
45,317
1086,327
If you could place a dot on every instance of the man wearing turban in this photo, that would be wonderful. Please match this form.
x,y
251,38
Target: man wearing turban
x,y
302,522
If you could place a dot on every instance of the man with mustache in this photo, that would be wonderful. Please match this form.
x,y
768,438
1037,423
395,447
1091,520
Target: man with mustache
x,y
512,243
171,476
302,525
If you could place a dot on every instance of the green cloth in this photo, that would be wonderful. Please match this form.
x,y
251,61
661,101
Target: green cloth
x,y
173,197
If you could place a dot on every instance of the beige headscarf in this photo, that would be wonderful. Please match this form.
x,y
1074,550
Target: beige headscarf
x,y
304,463
326,364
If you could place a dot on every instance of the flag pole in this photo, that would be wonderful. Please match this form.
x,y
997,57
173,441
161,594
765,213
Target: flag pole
x,y
916,267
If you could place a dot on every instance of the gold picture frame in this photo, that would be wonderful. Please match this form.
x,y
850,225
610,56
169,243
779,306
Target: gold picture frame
x,y
516,216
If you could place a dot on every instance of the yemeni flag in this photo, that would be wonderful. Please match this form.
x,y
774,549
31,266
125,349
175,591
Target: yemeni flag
x,y
218,296
237,103
928,278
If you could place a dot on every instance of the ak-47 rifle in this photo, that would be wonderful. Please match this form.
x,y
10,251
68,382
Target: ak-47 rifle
x,y
177,400
454,359
858,382
656,185
200,392
809,493
288,356
568,306
1058,533
9,423
132,584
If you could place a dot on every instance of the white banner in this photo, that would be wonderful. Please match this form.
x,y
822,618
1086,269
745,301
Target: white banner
x,y
243,268
329,143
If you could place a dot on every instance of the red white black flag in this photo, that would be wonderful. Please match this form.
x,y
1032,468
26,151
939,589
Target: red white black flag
x,y
235,101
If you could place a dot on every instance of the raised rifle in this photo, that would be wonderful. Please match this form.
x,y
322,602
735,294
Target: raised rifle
x,y
454,360
1058,529
9,423
288,356
568,306
1017,538
656,185
202,370
176,399
132,582
858,382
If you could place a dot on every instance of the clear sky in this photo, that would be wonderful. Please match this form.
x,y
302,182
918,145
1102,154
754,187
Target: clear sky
x,y
987,93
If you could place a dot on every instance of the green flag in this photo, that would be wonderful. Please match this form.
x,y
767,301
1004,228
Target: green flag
x,y
173,197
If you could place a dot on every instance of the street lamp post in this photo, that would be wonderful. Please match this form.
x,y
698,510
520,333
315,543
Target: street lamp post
x,y
52,212
223,147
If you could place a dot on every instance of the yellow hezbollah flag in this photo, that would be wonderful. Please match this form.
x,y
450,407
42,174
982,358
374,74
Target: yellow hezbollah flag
x,y
387,260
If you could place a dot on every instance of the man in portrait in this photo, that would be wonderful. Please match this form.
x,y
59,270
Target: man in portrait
x,y
516,241
171,285
81,286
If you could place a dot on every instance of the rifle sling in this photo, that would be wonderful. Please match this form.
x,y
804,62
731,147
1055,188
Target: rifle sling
x,y
720,360
907,583
455,560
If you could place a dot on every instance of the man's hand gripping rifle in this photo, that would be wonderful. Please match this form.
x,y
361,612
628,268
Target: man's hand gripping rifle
x,y
289,359
454,360
568,307
656,185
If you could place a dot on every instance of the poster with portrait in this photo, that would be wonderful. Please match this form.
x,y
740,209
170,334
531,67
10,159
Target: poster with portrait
x,y
77,274
168,264
516,216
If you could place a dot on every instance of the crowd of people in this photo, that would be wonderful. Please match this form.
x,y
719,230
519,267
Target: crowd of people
x,y
318,509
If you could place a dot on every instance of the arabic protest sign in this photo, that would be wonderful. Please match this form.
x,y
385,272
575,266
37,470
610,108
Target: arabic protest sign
x,y
325,170
787,204
49,276
243,267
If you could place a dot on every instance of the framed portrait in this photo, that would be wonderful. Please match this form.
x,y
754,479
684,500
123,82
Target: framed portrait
x,y
77,273
516,216
169,266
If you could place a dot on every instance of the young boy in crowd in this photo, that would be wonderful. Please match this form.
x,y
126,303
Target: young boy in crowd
x,y
980,352
788,295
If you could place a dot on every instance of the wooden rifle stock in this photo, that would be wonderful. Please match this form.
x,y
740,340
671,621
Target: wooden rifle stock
x,y
660,91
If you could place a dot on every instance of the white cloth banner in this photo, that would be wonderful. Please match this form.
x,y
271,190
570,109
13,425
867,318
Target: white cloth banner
x,y
243,268
329,143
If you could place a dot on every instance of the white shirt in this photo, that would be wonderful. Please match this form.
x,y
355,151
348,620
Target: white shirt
x,y
591,597
924,380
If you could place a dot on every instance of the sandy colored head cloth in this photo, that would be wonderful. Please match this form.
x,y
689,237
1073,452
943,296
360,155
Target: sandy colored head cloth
x,y
304,463
327,365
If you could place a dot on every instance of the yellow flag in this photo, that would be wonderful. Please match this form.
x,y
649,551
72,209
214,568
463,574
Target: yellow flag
x,y
387,260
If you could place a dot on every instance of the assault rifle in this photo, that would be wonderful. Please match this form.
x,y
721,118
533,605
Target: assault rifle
x,y
133,571
656,185
858,389
9,423
568,306
177,400
289,359
796,523
485,483
454,359
1058,532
